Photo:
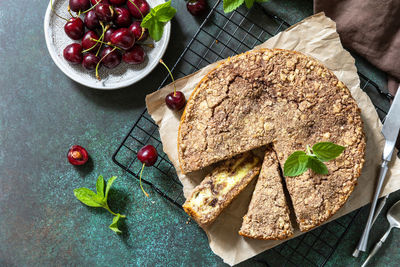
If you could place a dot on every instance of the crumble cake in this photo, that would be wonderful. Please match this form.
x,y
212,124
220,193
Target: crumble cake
x,y
286,99
220,187
268,215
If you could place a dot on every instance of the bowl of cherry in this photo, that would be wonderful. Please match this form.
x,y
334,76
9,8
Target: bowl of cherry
x,y
100,43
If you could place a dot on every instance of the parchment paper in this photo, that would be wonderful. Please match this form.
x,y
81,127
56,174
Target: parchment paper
x,y
315,36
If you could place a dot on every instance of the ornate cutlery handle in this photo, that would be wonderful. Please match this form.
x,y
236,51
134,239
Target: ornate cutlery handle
x,y
377,247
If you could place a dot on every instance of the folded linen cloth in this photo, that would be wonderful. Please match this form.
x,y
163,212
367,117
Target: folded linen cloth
x,y
370,28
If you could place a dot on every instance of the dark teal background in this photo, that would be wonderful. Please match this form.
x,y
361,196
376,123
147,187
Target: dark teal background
x,y
43,113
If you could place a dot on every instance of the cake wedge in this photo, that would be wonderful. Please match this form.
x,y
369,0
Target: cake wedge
x,y
221,186
268,215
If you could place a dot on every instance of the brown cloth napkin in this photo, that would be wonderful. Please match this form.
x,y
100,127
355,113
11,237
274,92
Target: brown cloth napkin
x,y
370,28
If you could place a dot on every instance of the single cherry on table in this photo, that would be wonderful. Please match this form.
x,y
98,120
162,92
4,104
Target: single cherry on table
x,y
148,157
175,100
197,7
77,155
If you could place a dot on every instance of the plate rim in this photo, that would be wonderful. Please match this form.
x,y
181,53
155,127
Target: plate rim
x,y
76,78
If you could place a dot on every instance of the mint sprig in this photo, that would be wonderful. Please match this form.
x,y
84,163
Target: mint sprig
x,y
99,199
230,5
299,161
157,18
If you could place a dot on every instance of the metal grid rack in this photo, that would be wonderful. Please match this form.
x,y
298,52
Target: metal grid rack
x,y
220,36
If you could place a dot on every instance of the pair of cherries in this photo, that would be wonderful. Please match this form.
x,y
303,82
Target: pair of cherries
x,y
148,155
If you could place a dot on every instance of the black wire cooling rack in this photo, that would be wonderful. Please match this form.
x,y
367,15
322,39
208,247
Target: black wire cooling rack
x,y
220,36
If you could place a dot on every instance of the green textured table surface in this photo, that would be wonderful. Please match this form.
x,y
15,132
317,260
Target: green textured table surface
x,y
42,113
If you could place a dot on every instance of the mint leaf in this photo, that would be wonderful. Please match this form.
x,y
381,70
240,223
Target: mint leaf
x,y
316,165
230,5
109,183
100,186
114,225
156,19
147,21
164,12
295,164
156,30
326,151
88,197
249,3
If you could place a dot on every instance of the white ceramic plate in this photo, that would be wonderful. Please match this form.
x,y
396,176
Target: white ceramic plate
x,y
121,76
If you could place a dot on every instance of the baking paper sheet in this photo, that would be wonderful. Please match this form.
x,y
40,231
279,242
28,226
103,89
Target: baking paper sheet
x,y
315,36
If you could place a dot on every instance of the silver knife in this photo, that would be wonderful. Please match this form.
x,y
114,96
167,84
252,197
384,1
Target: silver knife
x,y
390,131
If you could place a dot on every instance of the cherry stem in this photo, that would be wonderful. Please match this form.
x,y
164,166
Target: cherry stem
x,y
111,10
109,43
148,45
69,11
170,74
77,155
98,64
143,29
100,39
98,2
52,8
102,36
137,8
140,181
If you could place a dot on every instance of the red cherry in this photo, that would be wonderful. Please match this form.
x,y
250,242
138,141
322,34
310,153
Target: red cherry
x,y
123,38
138,31
117,2
74,28
77,5
104,12
90,61
123,17
88,43
112,58
135,55
77,155
175,101
91,20
138,8
108,33
197,7
147,155
96,1
73,53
